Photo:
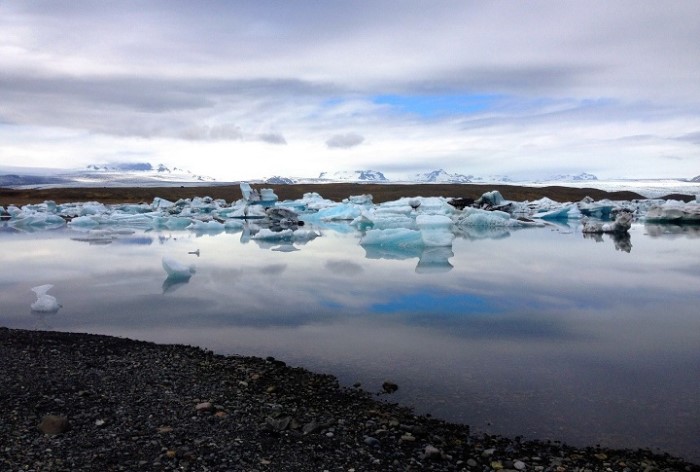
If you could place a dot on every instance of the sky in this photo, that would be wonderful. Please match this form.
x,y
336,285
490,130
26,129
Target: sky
x,y
245,90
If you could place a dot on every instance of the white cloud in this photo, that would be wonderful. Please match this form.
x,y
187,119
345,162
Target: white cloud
x,y
344,141
573,83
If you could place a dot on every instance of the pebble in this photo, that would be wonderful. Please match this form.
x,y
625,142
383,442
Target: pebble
x,y
204,406
54,424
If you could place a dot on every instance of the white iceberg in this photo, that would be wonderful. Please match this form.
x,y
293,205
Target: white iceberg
x,y
266,234
622,224
435,230
211,226
177,270
674,211
84,222
486,219
44,303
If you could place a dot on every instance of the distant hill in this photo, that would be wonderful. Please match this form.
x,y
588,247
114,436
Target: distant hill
x,y
584,176
440,176
16,180
354,176
695,179
278,180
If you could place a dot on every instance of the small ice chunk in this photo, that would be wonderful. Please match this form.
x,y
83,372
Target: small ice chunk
x,y
266,234
206,226
83,222
486,219
492,199
44,303
176,269
622,224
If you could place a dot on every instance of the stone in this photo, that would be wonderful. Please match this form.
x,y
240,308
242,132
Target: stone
x,y
519,465
204,406
432,452
370,441
389,387
54,424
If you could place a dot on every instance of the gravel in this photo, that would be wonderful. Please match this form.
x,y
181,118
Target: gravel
x,y
73,401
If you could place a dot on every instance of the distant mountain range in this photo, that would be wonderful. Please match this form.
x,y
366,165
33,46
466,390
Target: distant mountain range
x,y
147,174
354,176
117,174
435,176
440,176
571,178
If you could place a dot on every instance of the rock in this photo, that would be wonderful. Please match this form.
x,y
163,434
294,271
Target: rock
x,y
278,424
370,441
389,387
204,406
432,452
519,465
54,424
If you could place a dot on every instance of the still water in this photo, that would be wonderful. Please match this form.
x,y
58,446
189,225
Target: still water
x,y
537,332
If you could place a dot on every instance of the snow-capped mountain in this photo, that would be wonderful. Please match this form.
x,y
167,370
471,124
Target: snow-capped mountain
x,y
117,174
137,173
279,180
354,176
440,176
695,179
584,176
491,179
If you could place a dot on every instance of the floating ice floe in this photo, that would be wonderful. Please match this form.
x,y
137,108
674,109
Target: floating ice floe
x,y
210,227
674,211
177,270
487,219
44,303
622,224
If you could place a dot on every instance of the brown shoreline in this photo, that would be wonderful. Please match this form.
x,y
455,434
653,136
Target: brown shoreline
x,y
333,191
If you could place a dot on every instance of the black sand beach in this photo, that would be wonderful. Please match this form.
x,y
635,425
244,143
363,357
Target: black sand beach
x,y
107,403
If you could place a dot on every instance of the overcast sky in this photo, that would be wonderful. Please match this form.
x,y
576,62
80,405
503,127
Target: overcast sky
x,y
242,90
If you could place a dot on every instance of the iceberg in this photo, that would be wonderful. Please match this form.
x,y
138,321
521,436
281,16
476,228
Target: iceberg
x,y
622,224
674,211
396,238
486,219
176,270
83,222
266,234
490,199
44,303
211,227
435,230
564,212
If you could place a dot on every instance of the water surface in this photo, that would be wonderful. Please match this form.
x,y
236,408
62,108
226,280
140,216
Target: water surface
x,y
537,332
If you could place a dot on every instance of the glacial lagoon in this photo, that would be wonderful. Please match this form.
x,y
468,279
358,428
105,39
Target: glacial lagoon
x,y
542,332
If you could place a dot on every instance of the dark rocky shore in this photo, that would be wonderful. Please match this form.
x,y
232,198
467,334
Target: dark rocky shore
x,y
85,402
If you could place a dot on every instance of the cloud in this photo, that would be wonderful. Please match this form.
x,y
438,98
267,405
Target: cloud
x,y
344,141
344,267
693,138
537,86
272,138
